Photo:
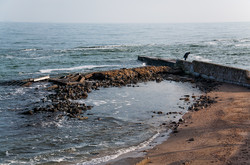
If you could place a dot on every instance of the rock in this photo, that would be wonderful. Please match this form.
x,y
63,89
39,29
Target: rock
x,y
85,94
159,112
81,79
77,86
27,84
89,107
191,139
88,76
82,118
94,153
28,112
36,109
98,118
181,120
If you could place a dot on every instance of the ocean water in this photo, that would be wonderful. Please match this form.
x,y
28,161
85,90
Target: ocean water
x,y
121,120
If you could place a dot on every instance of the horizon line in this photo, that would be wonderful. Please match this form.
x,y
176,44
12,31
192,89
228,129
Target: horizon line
x,y
123,22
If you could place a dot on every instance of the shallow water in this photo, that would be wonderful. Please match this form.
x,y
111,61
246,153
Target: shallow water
x,y
121,120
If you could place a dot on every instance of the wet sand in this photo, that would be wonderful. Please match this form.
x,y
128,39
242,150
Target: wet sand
x,y
216,135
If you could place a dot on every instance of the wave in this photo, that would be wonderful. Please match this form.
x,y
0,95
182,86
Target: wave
x,y
200,58
32,49
215,42
118,48
58,123
229,41
243,45
120,152
196,46
91,102
106,46
76,68
100,47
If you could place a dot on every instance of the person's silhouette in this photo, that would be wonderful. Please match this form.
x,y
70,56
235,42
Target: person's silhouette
x,y
186,55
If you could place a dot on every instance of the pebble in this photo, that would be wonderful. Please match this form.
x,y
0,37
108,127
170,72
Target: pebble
x,y
191,139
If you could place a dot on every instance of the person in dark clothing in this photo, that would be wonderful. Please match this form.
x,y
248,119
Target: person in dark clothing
x,y
186,55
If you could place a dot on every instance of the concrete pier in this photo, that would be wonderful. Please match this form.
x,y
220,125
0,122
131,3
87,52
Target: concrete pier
x,y
204,69
157,61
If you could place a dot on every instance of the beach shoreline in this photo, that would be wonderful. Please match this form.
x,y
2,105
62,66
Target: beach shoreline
x,y
67,87
218,134
202,136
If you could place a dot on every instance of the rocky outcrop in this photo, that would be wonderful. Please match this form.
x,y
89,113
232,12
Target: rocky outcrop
x,y
77,86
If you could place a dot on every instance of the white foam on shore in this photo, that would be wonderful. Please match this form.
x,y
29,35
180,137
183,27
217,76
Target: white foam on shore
x,y
120,152
91,102
76,68
57,123
19,91
99,102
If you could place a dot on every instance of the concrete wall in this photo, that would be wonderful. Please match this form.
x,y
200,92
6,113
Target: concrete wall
x,y
217,72
207,70
157,61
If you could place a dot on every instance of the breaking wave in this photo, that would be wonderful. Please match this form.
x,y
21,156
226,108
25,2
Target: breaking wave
x,y
120,152
200,58
76,68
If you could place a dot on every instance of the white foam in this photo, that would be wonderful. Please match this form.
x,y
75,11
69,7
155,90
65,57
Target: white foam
x,y
99,102
76,68
211,43
243,45
91,101
119,107
19,91
9,56
27,50
200,58
105,47
120,152
7,153
59,123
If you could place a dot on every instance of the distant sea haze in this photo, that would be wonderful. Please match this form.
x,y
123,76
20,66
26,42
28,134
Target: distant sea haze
x,y
31,50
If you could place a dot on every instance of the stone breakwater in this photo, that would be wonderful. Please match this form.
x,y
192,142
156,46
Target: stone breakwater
x,y
77,86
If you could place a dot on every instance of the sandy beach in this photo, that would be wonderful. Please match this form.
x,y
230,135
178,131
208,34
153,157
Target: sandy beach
x,y
218,134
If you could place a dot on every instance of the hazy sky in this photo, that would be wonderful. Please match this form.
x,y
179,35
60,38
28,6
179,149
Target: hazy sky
x,y
125,11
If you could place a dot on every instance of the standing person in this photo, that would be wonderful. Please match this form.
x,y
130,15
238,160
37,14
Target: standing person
x,y
186,55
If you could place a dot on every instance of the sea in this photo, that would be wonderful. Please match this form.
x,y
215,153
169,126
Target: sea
x,y
122,120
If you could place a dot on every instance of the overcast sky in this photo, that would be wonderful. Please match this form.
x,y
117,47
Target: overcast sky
x,y
125,11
